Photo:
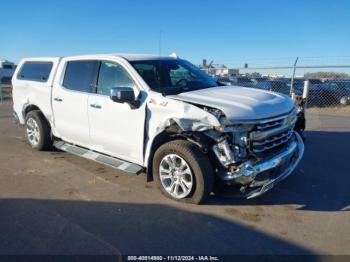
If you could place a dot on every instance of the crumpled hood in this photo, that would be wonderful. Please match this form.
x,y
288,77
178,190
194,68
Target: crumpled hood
x,y
239,103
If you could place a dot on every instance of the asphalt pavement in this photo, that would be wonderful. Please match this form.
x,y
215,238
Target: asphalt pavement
x,y
56,203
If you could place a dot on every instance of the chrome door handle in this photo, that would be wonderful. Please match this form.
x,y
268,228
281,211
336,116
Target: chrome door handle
x,y
96,106
58,99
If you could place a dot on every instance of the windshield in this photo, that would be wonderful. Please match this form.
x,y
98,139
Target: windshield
x,y
171,77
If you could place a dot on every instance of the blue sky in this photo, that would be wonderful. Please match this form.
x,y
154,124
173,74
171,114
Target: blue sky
x,y
231,32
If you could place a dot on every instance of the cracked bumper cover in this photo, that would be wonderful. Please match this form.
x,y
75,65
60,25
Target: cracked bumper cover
x,y
283,163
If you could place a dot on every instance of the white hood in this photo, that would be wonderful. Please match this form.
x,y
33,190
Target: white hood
x,y
239,103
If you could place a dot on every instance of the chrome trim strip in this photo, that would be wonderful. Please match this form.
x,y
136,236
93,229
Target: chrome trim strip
x,y
267,141
260,135
266,126
283,140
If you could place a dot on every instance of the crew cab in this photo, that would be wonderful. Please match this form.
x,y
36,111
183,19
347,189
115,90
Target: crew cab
x,y
161,115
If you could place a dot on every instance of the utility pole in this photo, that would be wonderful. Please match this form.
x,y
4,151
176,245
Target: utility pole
x,y
293,75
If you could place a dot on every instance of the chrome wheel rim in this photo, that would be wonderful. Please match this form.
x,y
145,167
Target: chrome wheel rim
x,y
175,176
33,133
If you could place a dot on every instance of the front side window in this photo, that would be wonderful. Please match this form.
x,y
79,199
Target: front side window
x,y
81,75
172,76
35,71
112,75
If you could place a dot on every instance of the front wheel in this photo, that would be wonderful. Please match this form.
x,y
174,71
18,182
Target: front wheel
x,y
183,172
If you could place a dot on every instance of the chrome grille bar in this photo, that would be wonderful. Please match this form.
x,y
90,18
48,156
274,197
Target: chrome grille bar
x,y
274,144
273,139
273,133
269,125
260,135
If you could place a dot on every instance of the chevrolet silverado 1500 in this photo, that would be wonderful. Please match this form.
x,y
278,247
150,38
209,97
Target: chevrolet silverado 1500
x,y
162,115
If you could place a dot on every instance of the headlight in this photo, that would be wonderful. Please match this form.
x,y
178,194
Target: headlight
x,y
216,112
227,126
224,153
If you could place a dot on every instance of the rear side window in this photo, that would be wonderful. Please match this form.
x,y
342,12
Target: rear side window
x,y
81,75
35,71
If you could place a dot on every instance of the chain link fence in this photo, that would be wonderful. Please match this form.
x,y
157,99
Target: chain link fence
x,y
329,80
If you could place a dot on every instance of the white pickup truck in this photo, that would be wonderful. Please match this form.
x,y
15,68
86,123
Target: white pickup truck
x,y
162,115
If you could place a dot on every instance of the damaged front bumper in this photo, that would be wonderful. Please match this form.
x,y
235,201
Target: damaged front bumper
x,y
258,178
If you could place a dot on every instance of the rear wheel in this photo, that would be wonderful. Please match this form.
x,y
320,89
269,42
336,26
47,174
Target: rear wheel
x,y
183,172
37,131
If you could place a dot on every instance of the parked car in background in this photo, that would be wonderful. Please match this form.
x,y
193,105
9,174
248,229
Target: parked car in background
x,y
274,85
6,72
223,80
298,83
340,90
242,81
259,79
321,95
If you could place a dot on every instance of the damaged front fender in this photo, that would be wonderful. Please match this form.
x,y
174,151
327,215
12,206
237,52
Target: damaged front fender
x,y
191,118
163,113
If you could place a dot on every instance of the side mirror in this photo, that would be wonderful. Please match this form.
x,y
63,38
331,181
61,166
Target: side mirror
x,y
124,95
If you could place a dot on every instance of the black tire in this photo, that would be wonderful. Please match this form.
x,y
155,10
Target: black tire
x,y
200,166
45,140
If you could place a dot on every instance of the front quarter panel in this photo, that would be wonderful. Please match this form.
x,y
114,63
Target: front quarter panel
x,y
162,112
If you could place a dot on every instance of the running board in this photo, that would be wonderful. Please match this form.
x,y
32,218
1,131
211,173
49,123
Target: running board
x,y
98,157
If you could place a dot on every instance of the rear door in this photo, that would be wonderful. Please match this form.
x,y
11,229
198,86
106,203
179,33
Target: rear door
x,y
69,100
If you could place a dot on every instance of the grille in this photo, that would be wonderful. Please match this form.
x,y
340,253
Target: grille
x,y
273,133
